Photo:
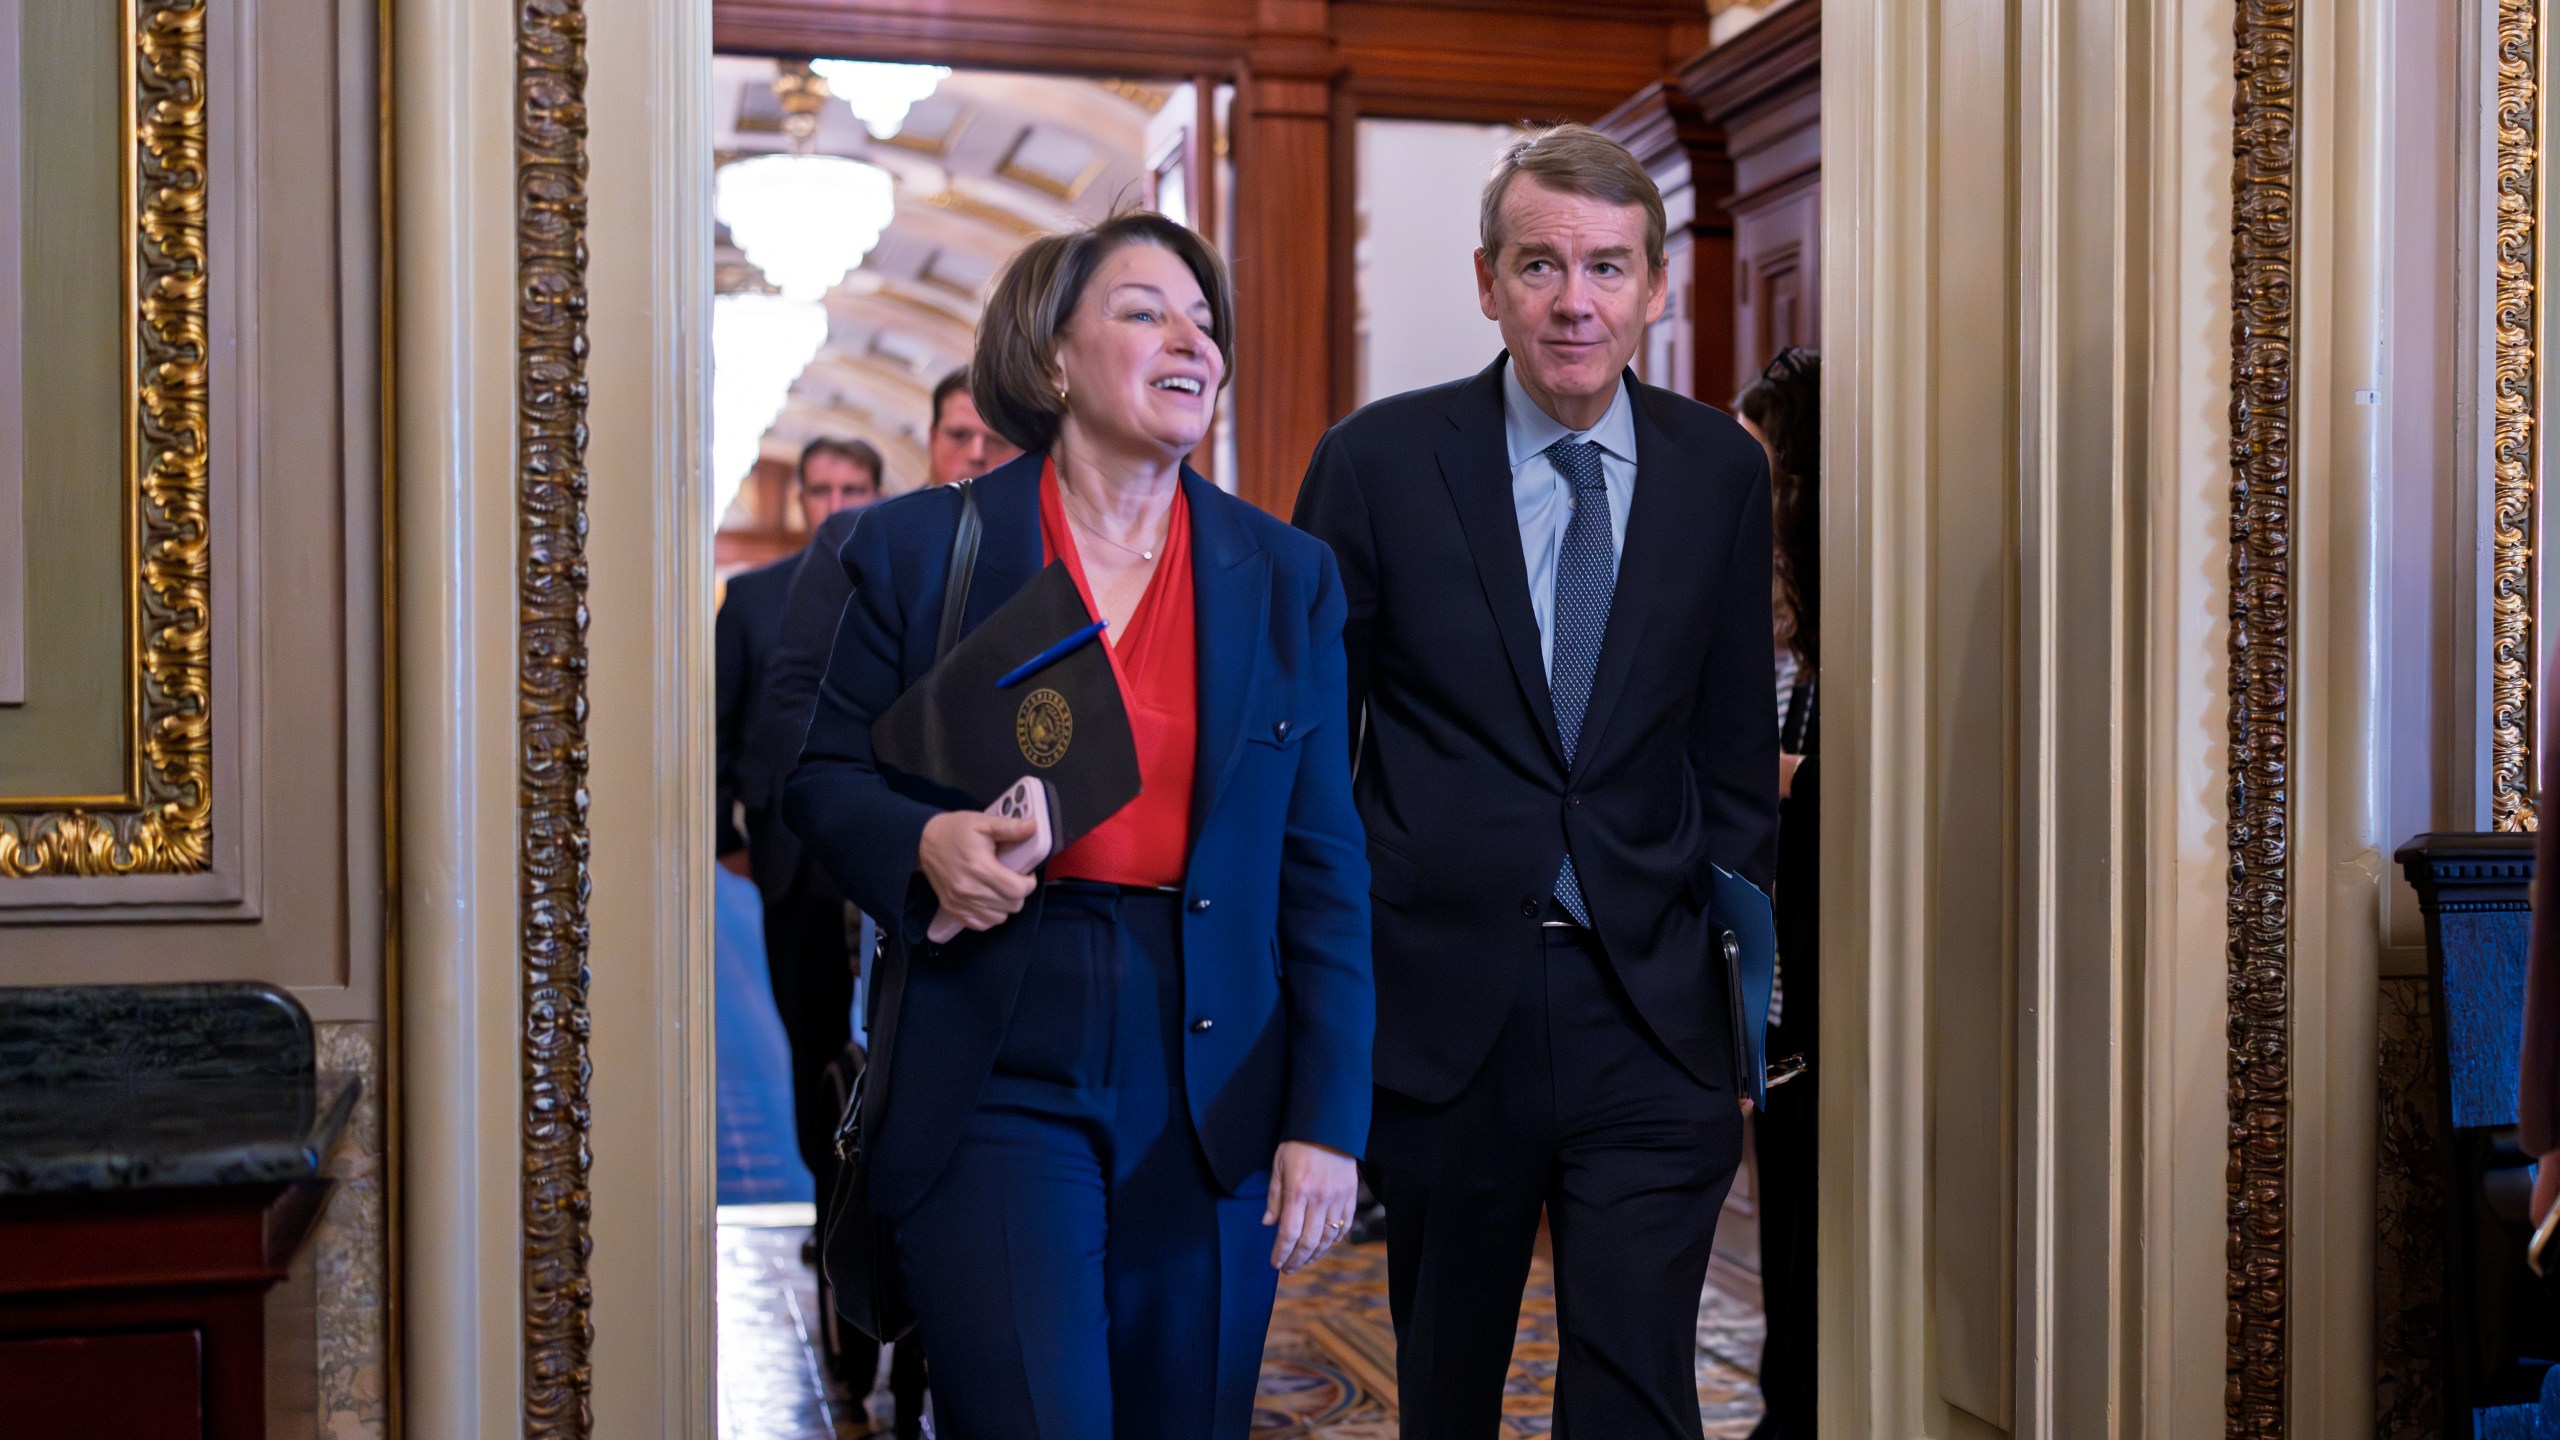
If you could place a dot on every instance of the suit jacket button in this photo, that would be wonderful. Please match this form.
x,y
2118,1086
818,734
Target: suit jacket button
x,y
1573,802
1201,903
1201,1027
1529,906
1279,729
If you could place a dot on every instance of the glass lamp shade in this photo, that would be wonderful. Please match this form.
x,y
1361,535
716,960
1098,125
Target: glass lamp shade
x,y
879,94
804,220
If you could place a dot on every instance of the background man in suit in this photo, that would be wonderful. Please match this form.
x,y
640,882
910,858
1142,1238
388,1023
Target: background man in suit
x,y
959,445
804,939
1559,585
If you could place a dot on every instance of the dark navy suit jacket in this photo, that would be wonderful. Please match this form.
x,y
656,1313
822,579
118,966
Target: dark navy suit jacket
x,y
1463,785
1275,915
743,639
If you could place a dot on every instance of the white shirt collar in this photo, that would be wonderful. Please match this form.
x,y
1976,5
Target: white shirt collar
x,y
1528,430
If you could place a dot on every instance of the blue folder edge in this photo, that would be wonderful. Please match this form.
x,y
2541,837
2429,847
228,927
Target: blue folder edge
x,y
1741,909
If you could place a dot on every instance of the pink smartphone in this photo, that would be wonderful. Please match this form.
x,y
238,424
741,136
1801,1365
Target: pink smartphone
x,y
1026,798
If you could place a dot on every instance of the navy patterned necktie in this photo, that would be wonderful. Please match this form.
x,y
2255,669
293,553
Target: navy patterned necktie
x,y
1586,576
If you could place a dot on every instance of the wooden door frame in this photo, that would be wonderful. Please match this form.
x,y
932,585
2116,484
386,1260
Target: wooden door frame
x,y
1306,72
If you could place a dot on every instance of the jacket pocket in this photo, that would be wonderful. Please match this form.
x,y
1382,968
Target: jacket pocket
x,y
1392,877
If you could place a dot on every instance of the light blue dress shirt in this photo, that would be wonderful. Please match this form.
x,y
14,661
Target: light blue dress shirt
x,y
1543,499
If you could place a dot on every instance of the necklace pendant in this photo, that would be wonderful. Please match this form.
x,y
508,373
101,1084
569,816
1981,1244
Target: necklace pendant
x,y
1146,554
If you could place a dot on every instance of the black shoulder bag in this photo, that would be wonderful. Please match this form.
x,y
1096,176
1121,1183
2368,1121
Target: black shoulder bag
x,y
860,1247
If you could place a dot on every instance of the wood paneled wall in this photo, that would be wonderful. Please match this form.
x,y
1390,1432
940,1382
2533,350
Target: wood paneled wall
x,y
1735,141
1305,72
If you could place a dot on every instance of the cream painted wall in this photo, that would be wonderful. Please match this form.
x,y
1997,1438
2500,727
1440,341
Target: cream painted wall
x,y
297,894
2434,402
648,690
1419,321
2028,325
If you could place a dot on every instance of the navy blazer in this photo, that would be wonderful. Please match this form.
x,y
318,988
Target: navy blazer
x,y
1463,785
743,638
1275,910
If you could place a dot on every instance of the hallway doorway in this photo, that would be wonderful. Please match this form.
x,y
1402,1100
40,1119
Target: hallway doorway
x,y
902,184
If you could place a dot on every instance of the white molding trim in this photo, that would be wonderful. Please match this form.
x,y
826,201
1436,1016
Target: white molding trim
x,y
13,530
453,102
1874,1296
2181,1041
2342,860
649,722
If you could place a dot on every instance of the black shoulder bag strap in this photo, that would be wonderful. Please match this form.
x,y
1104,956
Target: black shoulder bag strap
x,y
860,1255
890,965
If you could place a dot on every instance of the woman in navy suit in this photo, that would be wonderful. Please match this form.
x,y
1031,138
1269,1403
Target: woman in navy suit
x,y
1133,1091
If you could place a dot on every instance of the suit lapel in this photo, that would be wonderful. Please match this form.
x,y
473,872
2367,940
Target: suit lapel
x,y
1645,564
1009,545
1231,617
1475,460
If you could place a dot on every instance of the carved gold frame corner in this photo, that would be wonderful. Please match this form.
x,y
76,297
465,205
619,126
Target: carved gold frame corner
x,y
161,821
2516,417
551,739
2260,950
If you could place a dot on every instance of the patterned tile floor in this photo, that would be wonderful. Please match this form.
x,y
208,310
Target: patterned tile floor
x,y
1328,1371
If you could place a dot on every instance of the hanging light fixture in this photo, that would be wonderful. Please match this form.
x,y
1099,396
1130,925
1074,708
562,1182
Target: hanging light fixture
x,y
879,93
802,93
804,220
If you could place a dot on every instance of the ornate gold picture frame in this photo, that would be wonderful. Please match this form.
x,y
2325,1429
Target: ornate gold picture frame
x,y
2260,952
2516,419
161,821
551,729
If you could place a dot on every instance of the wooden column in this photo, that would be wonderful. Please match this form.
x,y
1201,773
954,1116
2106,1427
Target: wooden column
x,y
1287,141
1762,93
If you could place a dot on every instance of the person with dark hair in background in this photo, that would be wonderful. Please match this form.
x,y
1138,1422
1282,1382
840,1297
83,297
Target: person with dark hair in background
x,y
833,475
959,444
1133,1089
803,915
1783,410
806,952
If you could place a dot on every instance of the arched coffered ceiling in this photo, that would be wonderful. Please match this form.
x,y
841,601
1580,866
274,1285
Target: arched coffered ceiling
x,y
981,165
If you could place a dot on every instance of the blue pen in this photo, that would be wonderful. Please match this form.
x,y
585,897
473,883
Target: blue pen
x,y
1050,656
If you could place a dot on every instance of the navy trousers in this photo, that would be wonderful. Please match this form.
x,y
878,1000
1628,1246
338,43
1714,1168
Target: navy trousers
x,y
1578,1113
1084,1276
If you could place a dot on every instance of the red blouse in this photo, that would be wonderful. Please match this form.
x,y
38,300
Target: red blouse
x,y
1149,841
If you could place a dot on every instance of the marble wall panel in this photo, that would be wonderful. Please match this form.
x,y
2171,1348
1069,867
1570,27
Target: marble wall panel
x,y
351,1253
2409,1199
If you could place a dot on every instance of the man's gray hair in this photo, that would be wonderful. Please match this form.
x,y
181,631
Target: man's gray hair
x,y
1577,160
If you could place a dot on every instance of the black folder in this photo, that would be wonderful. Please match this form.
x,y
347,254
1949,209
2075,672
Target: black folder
x,y
1064,723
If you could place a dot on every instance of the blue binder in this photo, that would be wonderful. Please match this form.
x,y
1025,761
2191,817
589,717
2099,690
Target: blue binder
x,y
1748,934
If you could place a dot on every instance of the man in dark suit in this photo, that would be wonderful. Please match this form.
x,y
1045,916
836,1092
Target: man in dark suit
x,y
804,917
1559,587
958,445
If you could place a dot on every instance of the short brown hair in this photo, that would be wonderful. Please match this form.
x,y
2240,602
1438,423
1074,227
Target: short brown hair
x,y
1018,339
946,387
859,452
1577,160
